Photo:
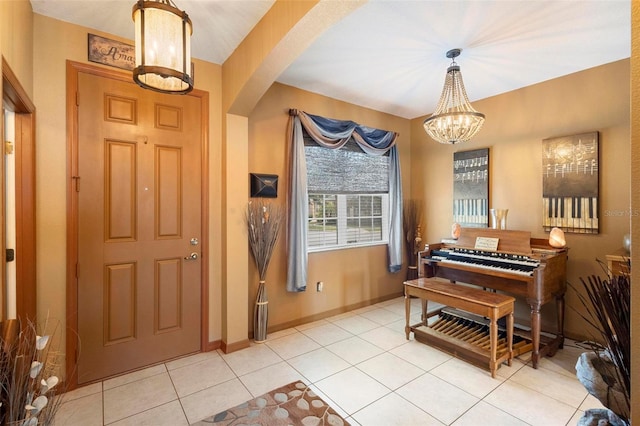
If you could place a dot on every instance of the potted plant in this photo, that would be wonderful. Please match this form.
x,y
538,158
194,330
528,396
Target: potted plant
x,y
606,370
263,222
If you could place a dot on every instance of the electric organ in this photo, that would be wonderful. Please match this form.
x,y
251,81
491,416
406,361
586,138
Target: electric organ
x,y
521,266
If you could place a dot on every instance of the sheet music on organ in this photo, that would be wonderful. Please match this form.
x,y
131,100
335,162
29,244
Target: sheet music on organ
x,y
486,243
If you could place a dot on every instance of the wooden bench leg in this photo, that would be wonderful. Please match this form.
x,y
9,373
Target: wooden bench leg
x,y
407,312
510,337
493,337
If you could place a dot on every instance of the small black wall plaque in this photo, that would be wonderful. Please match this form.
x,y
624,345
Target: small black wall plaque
x,y
264,185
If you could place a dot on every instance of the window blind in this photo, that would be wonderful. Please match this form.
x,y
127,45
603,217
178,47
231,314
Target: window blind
x,y
347,170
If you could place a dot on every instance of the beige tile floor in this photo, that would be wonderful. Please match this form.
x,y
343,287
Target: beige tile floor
x,y
360,363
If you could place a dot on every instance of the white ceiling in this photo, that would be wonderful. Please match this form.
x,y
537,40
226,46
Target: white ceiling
x,y
389,55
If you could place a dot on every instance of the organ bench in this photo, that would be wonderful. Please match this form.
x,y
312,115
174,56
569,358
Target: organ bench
x,y
465,341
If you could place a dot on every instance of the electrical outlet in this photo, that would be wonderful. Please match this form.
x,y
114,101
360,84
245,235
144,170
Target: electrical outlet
x,y
319,286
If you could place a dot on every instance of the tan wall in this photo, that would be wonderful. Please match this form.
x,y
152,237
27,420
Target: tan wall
x,y
16,39
516,123
54,43
351,277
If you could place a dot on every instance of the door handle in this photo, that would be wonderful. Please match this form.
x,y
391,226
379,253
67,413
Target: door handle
x,y
192,256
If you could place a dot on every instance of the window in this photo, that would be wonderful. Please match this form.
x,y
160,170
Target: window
x,y
323,220
364,218
348,197
341,220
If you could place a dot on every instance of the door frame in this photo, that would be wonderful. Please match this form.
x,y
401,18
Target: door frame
x,y
16,99
72,335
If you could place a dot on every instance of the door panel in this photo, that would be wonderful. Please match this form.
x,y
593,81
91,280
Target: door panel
x,y
168,173
139,205
120,191
119,299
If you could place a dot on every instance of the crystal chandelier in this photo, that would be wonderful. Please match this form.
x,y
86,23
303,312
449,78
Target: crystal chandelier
x,y
454,120
163,47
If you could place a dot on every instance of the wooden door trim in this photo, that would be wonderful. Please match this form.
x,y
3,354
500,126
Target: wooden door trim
x,y
14,92
72,344
14,95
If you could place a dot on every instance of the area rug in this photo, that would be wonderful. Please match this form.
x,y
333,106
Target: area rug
x,y
292,404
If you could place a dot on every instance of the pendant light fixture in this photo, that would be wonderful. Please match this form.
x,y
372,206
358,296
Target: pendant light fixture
x,y
163,47
454,120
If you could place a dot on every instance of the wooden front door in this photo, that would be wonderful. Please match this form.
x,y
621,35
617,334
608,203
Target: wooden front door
x,y
139,226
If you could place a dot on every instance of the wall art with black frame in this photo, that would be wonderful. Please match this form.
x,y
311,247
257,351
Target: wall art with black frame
x,y
471,188
263,185
570,180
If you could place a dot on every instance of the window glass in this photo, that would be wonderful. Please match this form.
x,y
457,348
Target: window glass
x,y
323,223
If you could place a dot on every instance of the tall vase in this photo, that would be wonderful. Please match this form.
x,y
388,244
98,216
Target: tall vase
x,y
499,218
261,314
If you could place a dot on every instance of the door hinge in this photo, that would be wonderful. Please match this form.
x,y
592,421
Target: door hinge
x,y
77,99
76,180
76,270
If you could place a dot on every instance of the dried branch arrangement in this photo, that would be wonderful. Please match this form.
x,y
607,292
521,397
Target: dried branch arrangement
x,y
263,221
28,383
412,217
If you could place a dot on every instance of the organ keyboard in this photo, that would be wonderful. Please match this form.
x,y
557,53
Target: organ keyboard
x,y
491,261
521,266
